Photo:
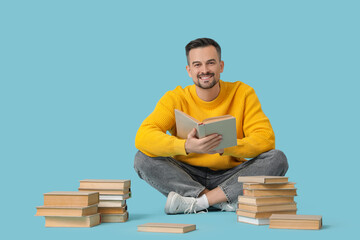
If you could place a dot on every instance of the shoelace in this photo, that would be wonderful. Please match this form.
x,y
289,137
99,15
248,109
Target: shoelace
x,y
191,209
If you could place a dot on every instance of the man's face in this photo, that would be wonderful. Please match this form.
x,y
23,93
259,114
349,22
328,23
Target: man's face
x,y
205,66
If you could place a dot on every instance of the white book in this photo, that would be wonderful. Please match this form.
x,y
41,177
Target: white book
x,y
114,197
255,221
112,203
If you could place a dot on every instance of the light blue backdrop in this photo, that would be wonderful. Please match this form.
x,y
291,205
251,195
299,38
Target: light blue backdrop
x,y
79,77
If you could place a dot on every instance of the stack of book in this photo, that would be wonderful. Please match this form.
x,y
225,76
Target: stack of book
x,y
264,196
70,209
113,195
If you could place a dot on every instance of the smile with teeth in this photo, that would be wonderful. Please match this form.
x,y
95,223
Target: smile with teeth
x,y
205,77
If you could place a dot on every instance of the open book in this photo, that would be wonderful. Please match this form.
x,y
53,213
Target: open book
x,y
223,125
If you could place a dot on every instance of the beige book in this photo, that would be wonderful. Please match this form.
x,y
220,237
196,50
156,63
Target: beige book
x,y
112,210
251,214
268,185
311,222
254,221
107,218
71,199
270,192
86,221
66,211
263,179
268,208
105,184
112,203
166,227
107,191
265,200
223,125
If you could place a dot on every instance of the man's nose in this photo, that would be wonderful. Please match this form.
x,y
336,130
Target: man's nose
x,y
204,69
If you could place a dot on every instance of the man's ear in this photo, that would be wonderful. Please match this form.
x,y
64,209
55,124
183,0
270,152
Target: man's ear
x,y
221,66
188,70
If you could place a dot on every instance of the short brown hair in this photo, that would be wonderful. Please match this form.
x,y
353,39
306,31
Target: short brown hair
x,y
202,42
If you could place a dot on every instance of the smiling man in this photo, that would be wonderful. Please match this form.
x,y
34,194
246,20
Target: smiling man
x,y
189,171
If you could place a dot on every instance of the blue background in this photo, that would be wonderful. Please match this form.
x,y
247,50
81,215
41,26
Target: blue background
x,y
79,77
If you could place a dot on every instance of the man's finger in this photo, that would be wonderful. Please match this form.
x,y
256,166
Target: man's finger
x,y
213,145
192,133
209,138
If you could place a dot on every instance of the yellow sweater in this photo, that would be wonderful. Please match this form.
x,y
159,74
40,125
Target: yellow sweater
x,y
254,131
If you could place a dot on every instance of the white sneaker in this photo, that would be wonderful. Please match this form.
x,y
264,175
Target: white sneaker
x,y
226,207
175,203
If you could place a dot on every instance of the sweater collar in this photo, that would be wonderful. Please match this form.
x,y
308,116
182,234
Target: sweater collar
x,y
212,103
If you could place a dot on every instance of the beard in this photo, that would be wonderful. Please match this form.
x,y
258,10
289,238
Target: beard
x,y
209,85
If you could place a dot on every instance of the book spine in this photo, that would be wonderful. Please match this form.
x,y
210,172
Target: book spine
x,y
200,130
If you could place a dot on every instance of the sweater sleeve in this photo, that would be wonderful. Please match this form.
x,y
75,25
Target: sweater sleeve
x,y
259,136
152,138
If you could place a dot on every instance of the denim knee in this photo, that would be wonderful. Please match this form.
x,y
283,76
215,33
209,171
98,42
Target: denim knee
x,y
279,161
139,163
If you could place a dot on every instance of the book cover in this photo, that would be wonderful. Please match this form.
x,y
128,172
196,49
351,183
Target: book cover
x,y
105,184
263,179
112,210
268,208
265,200
86,221
106,191
252,214
66,211
166,227
111,218
270,192
223,125
268,185
310,222
71,199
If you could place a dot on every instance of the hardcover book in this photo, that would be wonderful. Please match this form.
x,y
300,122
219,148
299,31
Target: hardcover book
x,y
107,218
270,192
107,191
284,221
105,184
268,185
166,227
86,221
223,125
71,199
66,211
112,210
265,200
252,214
268,208
263,179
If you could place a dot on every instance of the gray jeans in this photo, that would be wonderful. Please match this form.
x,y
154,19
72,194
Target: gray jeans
x,y
167,174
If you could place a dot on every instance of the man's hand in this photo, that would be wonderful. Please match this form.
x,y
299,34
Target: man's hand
x,y
203,145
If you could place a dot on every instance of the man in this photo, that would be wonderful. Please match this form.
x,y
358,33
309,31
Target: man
x,y
189,171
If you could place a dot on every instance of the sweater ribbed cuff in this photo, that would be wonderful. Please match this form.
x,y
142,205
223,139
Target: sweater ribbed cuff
x,y
179,147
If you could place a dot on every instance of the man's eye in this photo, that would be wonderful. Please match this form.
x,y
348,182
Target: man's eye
x,y
197,65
